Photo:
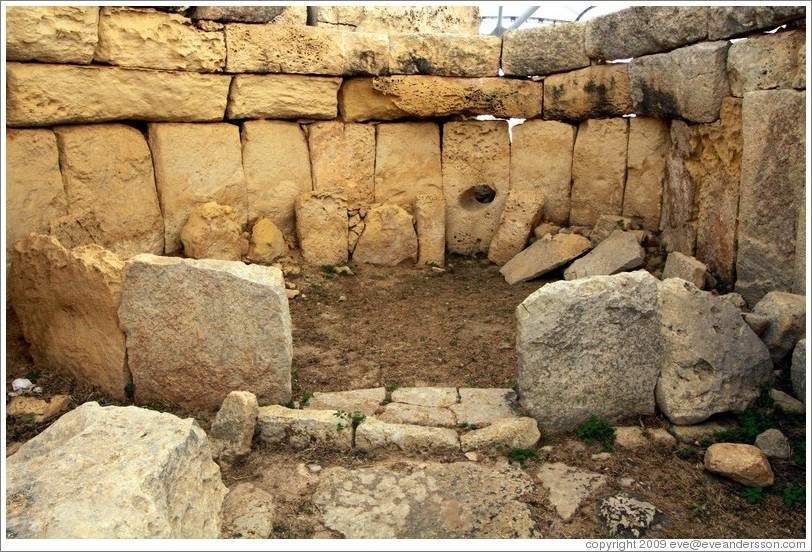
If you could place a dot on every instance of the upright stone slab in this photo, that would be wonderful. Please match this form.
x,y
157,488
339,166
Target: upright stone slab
x,y
67,302
711,360
732,21
520,215
587,347
276,160
679,207
598,170
641,30
46,95
798,370
196,164
767,62
799,280
388,239
544,50
52,34
407,162
342,157
649,142
449,55
429,218
619,252
107,169
475,153
321,226
283,97
772,190
232,430
199,329
589,93
550,173
115,472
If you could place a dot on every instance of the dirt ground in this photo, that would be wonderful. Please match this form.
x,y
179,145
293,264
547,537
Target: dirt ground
x,y
412,326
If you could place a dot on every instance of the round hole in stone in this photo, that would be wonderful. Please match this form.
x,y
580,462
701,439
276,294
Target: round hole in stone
x,y
476,197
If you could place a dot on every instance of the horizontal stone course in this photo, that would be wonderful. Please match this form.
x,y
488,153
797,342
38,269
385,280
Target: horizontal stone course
x,y
52,34
444,54
283,97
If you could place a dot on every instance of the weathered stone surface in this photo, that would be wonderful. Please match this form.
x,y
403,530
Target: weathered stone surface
x,y
426,396
568,487
283,97
522,212
479,407
798,370
444,54
248,512
34,192
212,232
767,61
389,237
688,268
285,15
507,432
744,464
407,162
186,344
474,153
53,34
374,434
562,360
679,204
698,433
546,228
544,50
276,161
429,218
233,428
588,93
267,242
150,472
735,299
711,361
641,30
649,142
44,95
391,19
773,444
757,322
551,173
303,428
799,282
787,404
633,437
772,189
619,252
304,50
606,224
196,164
546,254
598,170
107,170
731,21
343,160
427,96
155,40
39,410
626,516
365,401
688,83
321,225
67,303
402,413
467,500
787,322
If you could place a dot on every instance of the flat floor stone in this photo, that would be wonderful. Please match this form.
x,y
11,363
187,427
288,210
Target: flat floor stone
x,y
426,396
365,401
479,407
568,487
402,413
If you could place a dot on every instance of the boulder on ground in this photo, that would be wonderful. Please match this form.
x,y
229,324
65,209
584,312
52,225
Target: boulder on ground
x,y
389,237
212,232
267,242
321,226
233,428
619,252
688,268
742,463
787,322
546,254
773,444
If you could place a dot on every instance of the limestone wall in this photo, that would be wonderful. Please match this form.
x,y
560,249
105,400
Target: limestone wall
x,y
120,121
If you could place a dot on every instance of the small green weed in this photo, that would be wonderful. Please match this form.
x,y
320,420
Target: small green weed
x,y
799,452
696,509
752,423
521,455
306,396
794,496
354,419
753,495
391,387
33,376
596,429
328,270
686,453
289,404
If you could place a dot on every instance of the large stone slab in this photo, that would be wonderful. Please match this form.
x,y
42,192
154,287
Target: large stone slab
x,y
798,370
429,218
67,302
626,516
520,216
598,170
479,407
426,396
551,173
150,473
276,161
680,191
301,429
544,255
157,40
376,435
711,360
744,464
503,434
768,61
444,54
688,83
107,169
687,268
580,336
772,190
786,313
620,252
52,34
45,95
342,157
426,96
321,226
199,329
388,239
649,142
467,501
283,97
568,487
732,21
392,19
407,162
544,50
280,15
474,153
402,413
365,401
641,30
195,164
588,93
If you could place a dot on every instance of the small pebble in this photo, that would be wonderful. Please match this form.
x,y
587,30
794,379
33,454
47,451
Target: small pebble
x,y
626,482
472,456
291,293
314,468
342,298
601,456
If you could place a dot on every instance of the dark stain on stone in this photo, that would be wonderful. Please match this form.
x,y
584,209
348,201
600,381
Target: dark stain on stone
x,y
657,103
557,91
418,65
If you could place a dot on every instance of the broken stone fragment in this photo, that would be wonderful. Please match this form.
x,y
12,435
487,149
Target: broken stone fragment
x,y
212,232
